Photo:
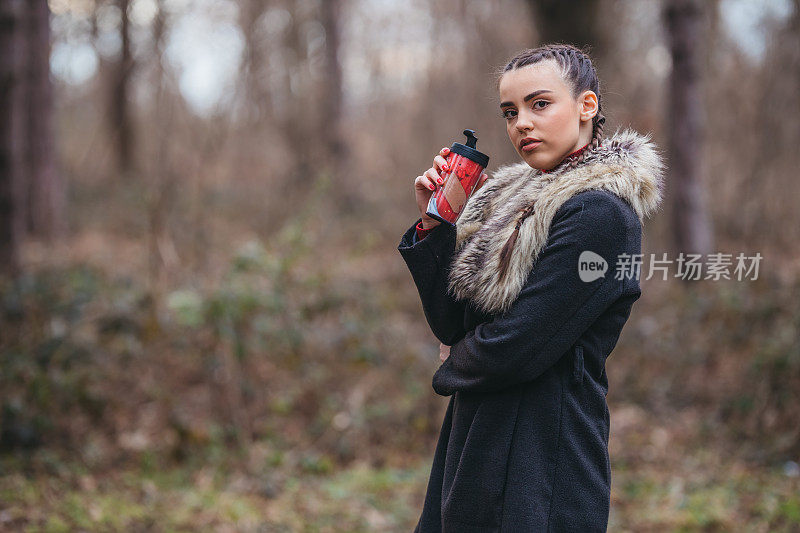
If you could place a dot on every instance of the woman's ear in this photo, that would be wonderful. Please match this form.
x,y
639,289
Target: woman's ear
x,y
588,105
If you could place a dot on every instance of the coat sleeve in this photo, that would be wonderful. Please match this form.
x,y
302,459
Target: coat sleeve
x,y
554,308
429,261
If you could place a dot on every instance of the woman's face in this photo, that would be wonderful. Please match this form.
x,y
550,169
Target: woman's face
x,y
537,104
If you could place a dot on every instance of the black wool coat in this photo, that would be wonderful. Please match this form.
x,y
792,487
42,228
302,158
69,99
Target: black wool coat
x,y
523,445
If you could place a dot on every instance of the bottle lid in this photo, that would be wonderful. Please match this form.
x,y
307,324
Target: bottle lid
x,y
469,151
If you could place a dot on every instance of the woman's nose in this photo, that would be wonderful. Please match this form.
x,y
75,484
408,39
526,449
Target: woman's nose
x,y
524,121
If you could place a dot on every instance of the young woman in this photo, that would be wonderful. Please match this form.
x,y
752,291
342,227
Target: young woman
x,y
528,295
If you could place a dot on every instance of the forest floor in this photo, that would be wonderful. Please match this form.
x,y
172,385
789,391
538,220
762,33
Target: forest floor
x,y
662,480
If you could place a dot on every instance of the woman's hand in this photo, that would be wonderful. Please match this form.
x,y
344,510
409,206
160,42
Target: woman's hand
x,y
444,352
425,185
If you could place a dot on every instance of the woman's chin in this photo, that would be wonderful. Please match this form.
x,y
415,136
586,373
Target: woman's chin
x,y
534,160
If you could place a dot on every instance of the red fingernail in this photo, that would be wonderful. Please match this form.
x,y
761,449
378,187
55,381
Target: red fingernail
x,y
431,187
440,181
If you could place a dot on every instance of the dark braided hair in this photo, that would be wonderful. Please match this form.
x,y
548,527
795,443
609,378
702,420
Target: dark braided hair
x,y
579,73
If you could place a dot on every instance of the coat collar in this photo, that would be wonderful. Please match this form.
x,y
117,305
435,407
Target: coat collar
x,y
627,164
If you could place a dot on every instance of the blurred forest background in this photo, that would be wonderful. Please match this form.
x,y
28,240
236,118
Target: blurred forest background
x,y
204,321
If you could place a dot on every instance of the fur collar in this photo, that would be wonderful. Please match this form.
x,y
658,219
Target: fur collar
x,y
627,165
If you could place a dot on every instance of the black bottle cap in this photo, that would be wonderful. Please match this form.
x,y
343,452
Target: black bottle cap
x,y
469,151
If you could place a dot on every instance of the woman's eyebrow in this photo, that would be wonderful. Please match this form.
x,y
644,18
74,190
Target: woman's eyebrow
x,y
534,94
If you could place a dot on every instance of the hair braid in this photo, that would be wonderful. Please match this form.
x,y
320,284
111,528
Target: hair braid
x,y
580,74
597,138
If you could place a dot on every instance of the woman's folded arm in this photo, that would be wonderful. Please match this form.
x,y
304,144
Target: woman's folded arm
x,y
554,308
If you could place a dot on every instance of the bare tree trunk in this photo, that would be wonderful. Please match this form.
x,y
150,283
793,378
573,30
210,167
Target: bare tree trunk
x,y
294,123
160,183
46,188
332,90
253,72
691,225
573,22
121,126
336,147
11,221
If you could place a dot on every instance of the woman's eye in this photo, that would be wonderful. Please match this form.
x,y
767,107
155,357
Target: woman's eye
x,y
546,103
507,114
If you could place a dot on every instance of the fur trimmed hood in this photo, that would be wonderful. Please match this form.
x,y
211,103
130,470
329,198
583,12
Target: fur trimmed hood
x,y
627,164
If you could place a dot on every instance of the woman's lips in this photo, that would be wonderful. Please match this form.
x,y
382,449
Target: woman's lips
x,y
531,146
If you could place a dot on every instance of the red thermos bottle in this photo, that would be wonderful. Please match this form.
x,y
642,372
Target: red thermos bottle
x,y
466,164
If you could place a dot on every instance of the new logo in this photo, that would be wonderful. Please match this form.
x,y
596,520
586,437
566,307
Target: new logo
x,y
591,266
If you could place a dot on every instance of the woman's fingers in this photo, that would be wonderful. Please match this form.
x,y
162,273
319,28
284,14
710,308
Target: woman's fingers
x,y
440,163
481,181
424,182
444,352
433,175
